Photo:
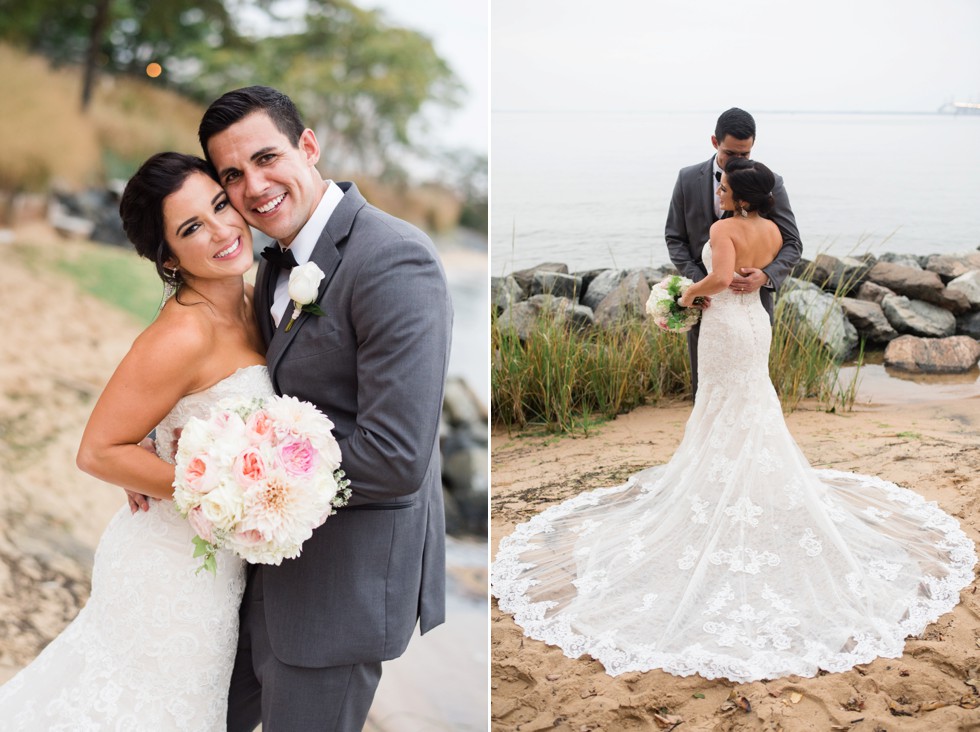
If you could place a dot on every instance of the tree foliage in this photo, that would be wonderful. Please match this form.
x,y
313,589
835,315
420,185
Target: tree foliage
x,y
362,83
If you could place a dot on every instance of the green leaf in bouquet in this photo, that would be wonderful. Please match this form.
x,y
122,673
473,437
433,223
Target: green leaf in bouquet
x,y
207,550
314,309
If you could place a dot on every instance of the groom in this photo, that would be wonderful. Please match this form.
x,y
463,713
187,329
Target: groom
x,y
315,629
694,207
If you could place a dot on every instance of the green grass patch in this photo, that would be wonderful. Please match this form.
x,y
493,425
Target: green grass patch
x,y
118,277
115,275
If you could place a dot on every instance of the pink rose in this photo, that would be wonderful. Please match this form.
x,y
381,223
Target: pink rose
x,y
250,537
200,524
198,477
298,457
249,468
259,427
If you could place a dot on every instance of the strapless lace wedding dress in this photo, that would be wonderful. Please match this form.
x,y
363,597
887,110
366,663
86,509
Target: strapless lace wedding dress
x,y
153,648
736,559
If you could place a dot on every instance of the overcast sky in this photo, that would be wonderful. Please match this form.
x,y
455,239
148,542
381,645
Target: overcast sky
x,y
665,55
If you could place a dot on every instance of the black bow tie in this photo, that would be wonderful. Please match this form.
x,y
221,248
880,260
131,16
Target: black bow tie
x,y
718,176
280,258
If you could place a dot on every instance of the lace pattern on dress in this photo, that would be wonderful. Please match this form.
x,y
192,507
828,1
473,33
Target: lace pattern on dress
x,y
153,648
736,559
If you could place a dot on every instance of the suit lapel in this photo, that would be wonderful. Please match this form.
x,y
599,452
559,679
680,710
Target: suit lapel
x,y
707,181
327,255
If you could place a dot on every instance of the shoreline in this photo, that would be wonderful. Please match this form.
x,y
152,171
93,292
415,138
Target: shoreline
x,y
928,446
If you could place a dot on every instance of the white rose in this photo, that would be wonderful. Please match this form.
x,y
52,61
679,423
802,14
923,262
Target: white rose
x,y
304,282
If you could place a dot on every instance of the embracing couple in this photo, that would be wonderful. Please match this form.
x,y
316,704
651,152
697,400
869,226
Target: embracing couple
x,y
296,646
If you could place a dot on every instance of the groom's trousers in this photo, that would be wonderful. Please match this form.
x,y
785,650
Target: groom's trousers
x,y
291,698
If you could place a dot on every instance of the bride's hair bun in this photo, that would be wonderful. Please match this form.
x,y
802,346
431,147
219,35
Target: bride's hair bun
x,y
141,206
752,182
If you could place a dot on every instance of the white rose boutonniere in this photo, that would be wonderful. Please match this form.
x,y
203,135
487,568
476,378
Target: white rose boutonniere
x,y
304,283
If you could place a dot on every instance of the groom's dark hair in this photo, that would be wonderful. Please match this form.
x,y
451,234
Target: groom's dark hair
x,y
735,122
233,106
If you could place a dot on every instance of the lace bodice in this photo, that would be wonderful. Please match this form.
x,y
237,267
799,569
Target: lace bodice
x,y
736,559
247,381
153,648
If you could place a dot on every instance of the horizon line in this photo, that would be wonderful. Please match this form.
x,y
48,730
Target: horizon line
x,y
715,111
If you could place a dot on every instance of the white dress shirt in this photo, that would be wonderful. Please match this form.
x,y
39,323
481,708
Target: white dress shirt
x,y
303,245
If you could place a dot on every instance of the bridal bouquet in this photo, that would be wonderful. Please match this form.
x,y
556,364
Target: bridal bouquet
x,y
257,477
663,308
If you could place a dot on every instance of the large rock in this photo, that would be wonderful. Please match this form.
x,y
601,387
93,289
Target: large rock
x,y
918,284
841,276
504,292
557,284
601,285
825,317
968,324
872,292
952,355
525,277
917,317
968,285
627,301
523,317
905,260
869,319
947,266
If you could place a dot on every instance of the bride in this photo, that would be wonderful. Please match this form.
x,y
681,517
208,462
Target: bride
x,y
736,559
154,646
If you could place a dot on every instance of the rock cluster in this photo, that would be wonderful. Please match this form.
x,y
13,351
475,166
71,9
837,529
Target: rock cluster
x,y
909,305
463,439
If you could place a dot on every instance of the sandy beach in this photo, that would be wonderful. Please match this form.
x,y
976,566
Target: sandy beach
x,y
926,444
59,348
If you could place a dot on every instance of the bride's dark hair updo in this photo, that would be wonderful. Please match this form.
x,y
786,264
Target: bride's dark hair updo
x,y
141,206
751,182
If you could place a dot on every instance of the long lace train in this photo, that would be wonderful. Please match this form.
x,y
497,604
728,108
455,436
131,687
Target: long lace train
x,y
736,559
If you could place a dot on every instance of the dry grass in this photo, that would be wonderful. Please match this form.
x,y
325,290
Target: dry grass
x,y
49,137
56,144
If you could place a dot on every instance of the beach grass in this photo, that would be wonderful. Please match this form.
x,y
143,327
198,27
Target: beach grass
x,y
562,379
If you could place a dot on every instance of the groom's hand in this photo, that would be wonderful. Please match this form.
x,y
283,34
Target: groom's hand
x,y
748,279
137,501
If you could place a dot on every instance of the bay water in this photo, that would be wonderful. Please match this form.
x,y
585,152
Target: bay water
x,y
592,189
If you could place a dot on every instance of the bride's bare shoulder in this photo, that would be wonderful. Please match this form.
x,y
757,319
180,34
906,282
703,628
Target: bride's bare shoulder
x,y
179,333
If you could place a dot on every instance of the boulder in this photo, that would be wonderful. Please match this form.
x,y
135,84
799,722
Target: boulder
x,y
869,319
825,317
872,292
918,284
952,355
917,317
504,292
523,316
843,275
464,477
905,260
600,287
968,324
947,266
627,301
557,284
968,285
525,277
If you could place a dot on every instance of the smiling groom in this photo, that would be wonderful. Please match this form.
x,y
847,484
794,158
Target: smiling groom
x,y
315,629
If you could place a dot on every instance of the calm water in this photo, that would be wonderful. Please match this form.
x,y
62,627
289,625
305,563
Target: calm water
x,y
592,189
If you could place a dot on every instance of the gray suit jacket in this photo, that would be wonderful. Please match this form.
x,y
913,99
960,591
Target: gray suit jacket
x,y
692,212
375,363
